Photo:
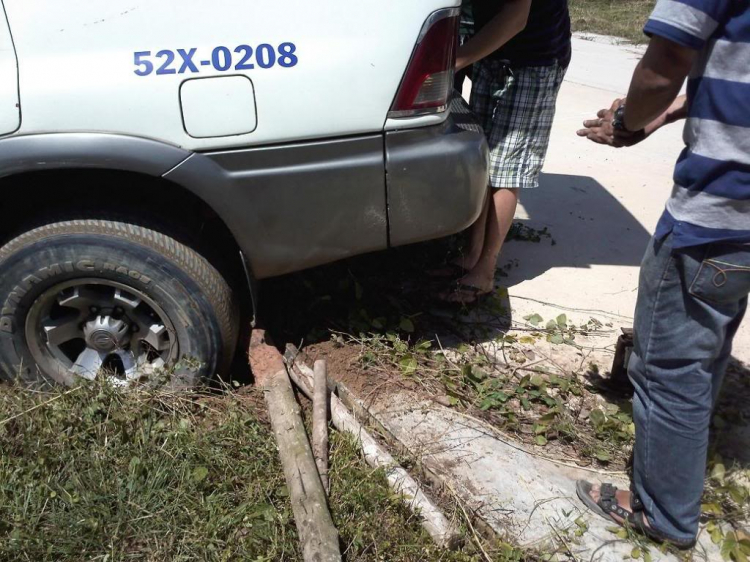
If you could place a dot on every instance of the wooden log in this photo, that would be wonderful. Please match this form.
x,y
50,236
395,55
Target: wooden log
x,y
443,532
320,421
318,535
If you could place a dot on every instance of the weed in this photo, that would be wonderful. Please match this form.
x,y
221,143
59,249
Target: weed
x,y
726,509
96,473
618,18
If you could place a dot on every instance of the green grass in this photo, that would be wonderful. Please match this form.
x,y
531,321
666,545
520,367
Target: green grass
x,y
619,18
96,474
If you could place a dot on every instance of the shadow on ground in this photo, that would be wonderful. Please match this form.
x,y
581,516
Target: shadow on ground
x,y
731,424
588,224
573,222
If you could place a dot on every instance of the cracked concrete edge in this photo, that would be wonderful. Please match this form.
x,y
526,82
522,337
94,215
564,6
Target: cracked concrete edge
x,y
596,543
437,481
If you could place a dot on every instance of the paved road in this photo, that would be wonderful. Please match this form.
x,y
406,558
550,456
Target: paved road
x,y
600,204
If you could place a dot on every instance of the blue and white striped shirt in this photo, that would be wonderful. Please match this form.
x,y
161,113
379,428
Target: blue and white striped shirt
x,y
711,197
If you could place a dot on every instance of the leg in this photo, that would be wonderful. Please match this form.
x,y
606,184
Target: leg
x,y
678,339
477,235
503,205
518,135
468,258
719,368
482,106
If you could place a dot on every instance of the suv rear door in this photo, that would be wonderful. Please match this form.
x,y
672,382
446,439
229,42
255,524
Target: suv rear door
x,y
10,111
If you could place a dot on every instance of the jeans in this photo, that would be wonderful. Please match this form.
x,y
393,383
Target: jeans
x,y
690,304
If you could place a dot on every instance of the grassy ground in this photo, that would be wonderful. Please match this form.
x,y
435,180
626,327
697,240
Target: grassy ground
x,y
385,306
97,474
381,315
619,18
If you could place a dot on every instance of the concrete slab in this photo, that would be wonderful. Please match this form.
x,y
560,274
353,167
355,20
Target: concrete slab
x,y
524,497
600,204
602,62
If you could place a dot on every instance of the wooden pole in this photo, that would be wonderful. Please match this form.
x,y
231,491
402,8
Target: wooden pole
x,y
318,535
320,421
442,531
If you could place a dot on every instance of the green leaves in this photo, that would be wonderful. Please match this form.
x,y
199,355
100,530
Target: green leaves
x,y
620,532
557,330
597,419
613,428
408,365
407,325
715,532
602,455
199,474
556,339
718,472
534,319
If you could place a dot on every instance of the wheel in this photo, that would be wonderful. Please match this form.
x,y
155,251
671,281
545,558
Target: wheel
x,y
85,297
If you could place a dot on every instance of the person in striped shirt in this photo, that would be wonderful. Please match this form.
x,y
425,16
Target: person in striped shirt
x,y
695,277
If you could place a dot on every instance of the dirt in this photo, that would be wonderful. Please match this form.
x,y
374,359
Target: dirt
x,y
344,366
265,359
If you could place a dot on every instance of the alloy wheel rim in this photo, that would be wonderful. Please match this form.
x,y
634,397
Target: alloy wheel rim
x,y
80,327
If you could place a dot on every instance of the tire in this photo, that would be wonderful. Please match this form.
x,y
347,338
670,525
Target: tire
x,y
76,296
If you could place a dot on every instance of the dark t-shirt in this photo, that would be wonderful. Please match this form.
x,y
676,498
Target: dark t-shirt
x,y
546,39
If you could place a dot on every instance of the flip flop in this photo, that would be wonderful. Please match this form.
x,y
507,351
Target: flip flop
x,y
607,506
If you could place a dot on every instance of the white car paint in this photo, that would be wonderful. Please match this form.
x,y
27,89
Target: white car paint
x,y
76,66
10,114
219,106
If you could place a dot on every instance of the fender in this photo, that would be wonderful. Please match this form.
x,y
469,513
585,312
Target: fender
x,y
32,153
59,151
289,207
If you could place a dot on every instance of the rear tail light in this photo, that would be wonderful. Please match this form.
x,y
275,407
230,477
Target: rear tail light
x,y
428,82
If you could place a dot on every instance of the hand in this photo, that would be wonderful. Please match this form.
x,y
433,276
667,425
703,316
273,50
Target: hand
x,y
601,130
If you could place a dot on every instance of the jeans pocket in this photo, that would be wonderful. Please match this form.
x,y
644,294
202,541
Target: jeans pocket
x,y
724,275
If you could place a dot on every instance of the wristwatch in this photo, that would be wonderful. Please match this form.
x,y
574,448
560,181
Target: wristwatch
x,y
618,121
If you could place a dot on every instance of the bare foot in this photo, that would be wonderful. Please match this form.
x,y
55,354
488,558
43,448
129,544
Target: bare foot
x,y
467,262
485,283
469,289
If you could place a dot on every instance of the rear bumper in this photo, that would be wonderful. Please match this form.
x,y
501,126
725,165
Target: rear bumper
x,y
436,179
292,207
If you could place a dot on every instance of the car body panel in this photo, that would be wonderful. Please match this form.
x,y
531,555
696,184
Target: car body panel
x,y
10,112
292,207
56,151
295,206
78,72
437,181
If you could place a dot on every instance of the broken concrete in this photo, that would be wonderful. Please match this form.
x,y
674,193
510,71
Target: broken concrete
x,y
523,496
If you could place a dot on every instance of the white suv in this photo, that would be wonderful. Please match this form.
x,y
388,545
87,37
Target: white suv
x,y
157,158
